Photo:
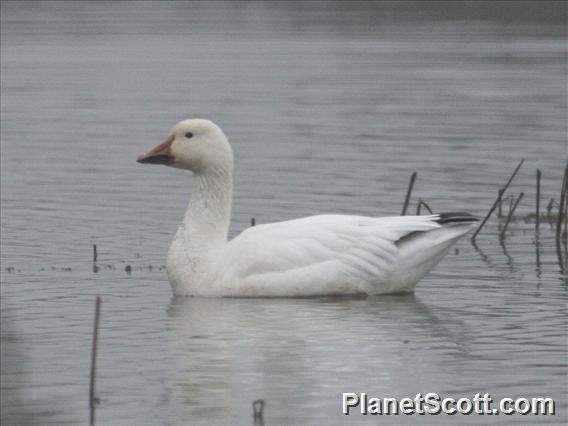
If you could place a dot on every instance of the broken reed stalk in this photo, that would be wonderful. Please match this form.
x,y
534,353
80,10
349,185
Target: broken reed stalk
x,y
561,212
500,199
565,235
537,245
92,398
549,207
95,267
257,412
511,212
421,203
408,192
496,202
252,221
537,223
511,201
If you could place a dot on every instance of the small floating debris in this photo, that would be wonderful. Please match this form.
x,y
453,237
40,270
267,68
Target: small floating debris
x,y
128,269
257,412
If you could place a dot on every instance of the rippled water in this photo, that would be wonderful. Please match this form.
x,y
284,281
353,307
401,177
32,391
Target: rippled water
x,y
330,107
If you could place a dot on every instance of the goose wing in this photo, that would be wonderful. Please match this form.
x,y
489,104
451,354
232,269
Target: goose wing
x,y
323,254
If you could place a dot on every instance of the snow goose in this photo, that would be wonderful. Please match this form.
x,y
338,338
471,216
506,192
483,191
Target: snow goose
x,y
313,256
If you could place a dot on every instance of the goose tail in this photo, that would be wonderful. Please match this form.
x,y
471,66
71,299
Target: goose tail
x,y
419,252
455,217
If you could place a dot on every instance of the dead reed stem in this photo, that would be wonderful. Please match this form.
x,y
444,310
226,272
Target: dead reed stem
x,y
257,412
421,203
511,212
408,192
92,398
537,223
500,199
561,212
496,202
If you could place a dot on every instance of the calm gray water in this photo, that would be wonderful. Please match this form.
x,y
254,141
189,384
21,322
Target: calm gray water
x,y
329,107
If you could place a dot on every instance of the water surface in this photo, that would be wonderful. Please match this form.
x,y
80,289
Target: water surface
x,y
330,107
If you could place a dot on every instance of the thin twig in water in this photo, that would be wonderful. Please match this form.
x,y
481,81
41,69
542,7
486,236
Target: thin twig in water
x,y
511,212
408,192
421,203
506,253
95,267
496,202
565,235
561,213
538,270
537,223
92,399
549,207
500,200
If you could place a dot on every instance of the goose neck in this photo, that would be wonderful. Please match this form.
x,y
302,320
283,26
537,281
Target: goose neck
x,y
208,215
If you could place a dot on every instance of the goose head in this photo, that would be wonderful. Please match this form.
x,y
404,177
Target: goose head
x,y
196,144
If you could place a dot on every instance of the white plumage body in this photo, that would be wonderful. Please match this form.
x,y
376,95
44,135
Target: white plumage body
x,y
314,256
318,255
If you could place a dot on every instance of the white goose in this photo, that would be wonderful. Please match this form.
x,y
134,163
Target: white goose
x,y
313,256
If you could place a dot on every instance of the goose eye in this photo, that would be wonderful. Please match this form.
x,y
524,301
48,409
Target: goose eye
x,y
189,135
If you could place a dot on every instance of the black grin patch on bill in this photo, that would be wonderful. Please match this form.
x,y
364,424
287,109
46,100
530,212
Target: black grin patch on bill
x,y
158,159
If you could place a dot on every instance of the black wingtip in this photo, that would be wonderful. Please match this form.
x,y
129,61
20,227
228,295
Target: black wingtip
x,y
455,217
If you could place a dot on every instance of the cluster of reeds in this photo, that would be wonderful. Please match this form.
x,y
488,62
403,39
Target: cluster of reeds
x,y
559,220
